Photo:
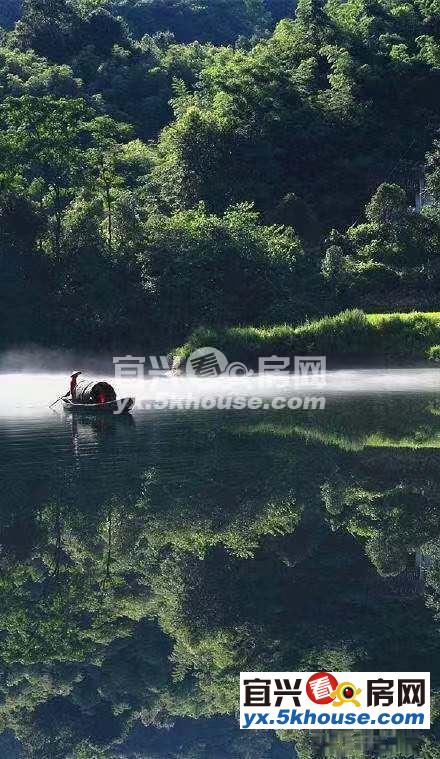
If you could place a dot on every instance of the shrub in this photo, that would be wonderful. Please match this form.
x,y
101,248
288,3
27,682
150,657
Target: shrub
x,y
433,353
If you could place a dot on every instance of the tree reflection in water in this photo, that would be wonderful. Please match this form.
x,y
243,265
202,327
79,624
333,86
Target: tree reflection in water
x,y
149,563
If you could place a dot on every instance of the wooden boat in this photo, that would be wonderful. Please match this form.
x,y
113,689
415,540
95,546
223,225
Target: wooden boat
x,y
122,406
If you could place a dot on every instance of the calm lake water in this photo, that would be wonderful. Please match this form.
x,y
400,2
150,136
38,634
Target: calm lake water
x,y
147,559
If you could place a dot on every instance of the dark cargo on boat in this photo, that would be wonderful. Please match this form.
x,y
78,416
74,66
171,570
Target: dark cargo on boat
x,y
92,391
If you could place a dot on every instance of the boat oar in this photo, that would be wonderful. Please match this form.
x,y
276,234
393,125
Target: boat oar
x,y
58,399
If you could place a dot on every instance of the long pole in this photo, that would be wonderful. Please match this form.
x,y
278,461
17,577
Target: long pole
x,y
58,399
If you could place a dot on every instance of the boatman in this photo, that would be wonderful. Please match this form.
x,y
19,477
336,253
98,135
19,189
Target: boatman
x,y
73,381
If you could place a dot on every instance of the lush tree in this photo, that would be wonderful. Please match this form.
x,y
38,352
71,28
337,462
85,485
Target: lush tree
x,y
396,250
202,269
44,140
48,27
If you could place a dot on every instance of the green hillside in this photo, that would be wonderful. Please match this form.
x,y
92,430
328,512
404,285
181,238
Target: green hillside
x,y
167,165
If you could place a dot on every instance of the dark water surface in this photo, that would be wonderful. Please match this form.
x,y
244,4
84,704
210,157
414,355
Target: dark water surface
x,y
146,560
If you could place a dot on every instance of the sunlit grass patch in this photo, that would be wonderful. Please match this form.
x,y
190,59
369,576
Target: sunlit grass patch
x,y
351,335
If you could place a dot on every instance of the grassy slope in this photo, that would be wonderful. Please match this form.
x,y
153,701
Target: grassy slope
x,y
349,335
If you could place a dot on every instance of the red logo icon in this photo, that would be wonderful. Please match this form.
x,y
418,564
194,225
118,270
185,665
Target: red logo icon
x,y
320,686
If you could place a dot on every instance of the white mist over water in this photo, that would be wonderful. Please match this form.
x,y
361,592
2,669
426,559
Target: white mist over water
x,y
28,394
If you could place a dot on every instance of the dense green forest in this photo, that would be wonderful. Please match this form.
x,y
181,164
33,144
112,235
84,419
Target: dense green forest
x,y
170,164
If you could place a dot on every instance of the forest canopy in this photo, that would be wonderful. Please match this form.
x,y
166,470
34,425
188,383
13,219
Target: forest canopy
x,y
178,151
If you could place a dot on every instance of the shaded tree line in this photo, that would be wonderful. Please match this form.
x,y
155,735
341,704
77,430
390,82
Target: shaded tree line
x,y
170,165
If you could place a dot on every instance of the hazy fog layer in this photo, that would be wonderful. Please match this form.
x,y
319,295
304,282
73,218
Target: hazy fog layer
x,y
26,394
